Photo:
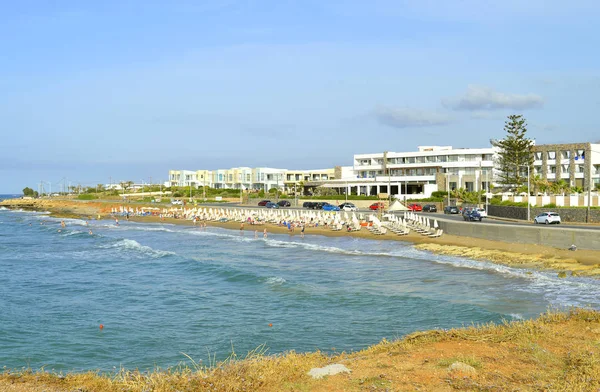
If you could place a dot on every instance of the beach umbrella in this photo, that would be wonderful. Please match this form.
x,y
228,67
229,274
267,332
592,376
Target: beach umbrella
x,y
435,224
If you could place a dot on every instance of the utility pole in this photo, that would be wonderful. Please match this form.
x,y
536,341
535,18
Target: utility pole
x,y
590,182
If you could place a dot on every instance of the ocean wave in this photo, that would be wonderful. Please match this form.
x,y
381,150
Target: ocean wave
x,y
4,209
134,246
275,280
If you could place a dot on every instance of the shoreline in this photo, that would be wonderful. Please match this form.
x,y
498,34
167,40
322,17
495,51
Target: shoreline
x,y
527,256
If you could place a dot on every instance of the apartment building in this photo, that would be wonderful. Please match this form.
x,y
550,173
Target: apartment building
x,y
294,179
418,174
576,163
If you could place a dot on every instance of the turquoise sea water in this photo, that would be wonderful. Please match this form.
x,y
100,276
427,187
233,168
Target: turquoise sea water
x,y
163,290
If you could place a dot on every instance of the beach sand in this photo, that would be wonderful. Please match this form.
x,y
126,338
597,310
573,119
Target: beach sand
x,y
581,262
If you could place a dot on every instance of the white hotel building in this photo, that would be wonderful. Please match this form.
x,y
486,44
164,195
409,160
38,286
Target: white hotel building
x,y
412,175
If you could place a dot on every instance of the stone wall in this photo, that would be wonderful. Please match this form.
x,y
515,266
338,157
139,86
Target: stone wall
x,y
566,214
553,236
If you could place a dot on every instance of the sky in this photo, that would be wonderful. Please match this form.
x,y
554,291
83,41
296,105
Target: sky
x,y
117,90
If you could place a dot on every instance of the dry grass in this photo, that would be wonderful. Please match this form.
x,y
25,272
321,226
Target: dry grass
x,y
557,351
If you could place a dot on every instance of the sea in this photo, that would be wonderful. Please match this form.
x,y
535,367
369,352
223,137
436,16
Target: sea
x,y
146,296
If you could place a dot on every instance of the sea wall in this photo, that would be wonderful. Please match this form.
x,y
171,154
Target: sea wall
x,y
566,214
554,236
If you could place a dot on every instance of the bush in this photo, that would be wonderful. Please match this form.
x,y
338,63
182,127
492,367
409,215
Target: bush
x,y
439,194
86,196
177,194
549,205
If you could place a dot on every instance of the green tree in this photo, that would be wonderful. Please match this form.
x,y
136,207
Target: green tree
x,y
466,196
514,153
28,191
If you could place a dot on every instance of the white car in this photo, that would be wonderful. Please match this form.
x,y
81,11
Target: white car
x,y
482,212
177,202
348,207
547,218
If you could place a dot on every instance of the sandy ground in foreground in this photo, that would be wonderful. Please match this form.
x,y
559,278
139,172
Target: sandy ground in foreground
x,y
582,262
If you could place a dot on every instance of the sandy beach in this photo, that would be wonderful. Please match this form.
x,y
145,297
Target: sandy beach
x,y
581,262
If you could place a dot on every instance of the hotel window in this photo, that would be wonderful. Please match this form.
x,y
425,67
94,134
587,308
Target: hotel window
x,y
469,186
551,155
469,170
452,185
488,157
596,169
420,160
452,158
552,169
220,177
580,155
580,169
230,177
566,154
420,172
537,170
538,156
430,159
410,160
239,176
248,177
262,177
565,168
442,158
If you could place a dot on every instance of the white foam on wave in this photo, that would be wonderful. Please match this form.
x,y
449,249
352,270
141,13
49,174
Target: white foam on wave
x,y
571,291
516,316
133,245
4,209
275,280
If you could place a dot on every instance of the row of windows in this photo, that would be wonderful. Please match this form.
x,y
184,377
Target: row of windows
x,y
566,154
427,159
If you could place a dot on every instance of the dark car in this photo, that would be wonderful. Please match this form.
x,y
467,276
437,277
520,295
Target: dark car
x,y
451,210
263,203
318,205
283,203
429,208
308,204
471,214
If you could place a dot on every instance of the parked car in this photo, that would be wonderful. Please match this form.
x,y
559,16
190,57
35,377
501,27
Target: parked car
x,y
318,205
429,208
471,214
415,207
330,207
547,218
451,210
177,202
348,207
377,206
283,203
482,212
263,203
271,205
308,204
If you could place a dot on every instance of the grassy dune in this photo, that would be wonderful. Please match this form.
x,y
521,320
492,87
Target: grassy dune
x,y
557,352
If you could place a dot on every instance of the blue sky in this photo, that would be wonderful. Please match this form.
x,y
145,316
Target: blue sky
x,y
131,89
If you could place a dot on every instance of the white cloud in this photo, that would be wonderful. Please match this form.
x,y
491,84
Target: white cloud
x,y
485,98
410,118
